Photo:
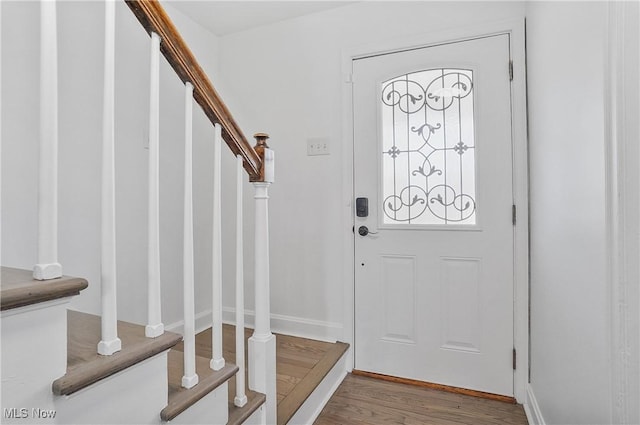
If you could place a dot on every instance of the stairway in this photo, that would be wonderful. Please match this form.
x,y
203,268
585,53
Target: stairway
x,y
308,371
49,356
71,383
49,381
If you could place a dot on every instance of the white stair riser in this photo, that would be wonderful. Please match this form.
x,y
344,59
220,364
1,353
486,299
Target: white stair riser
x,y
259,417
135,395
34,354
211,409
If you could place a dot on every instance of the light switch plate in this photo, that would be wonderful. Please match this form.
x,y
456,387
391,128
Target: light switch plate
x,y
317,146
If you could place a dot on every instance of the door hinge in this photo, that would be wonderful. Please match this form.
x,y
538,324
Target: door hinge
x,y
510,70
513,214
514,359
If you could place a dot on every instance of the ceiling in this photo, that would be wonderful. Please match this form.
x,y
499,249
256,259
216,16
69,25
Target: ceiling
x,y
227,17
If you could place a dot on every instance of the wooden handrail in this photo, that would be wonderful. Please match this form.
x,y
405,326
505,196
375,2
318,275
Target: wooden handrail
x,y
153,18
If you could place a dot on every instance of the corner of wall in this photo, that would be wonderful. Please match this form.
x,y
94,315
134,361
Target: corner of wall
x,y
531,408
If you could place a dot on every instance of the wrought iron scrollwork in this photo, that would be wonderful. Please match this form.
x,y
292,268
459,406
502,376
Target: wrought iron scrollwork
x,y
394,203
427,178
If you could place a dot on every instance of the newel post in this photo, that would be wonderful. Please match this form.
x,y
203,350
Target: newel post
x,y
262,345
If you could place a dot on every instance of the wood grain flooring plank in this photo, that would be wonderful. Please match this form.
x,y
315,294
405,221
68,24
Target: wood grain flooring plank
x,y
329,418
361,400
292,402
288,379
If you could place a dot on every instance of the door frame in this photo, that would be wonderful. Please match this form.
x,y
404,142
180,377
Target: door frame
x,y
516,30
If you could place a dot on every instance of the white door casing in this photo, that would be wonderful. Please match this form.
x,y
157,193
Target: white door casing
x,y
434,297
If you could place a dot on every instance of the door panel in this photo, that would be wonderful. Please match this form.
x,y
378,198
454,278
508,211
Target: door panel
x,y
461,316
432,149
399,286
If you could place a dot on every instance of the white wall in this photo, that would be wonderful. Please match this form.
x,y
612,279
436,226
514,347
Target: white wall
x,y
570,323
286,79
80,26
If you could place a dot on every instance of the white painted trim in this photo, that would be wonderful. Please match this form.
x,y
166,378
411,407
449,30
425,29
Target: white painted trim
x,y
291,325
48,266
190,378
241,397
515,28
154,327
531,408
262,344
313,405
620,199
217,361
348,194
202,322
1,131
614,204
109,343
281,324
521,199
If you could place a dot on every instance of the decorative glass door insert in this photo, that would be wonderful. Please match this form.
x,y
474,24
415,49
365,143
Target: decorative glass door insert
x,y
428,149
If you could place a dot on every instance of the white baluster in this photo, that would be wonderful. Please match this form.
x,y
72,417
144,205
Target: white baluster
x,y
262,344
110,342
190,377
0,116
240,398
48,266
217,361
154,327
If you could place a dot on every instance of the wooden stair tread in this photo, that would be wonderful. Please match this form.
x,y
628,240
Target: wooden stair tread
x,y
237,415
85,366
181,398
301,365
290,404
20,289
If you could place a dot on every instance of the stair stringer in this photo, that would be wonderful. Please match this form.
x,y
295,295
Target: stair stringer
x,y
135,395
34,354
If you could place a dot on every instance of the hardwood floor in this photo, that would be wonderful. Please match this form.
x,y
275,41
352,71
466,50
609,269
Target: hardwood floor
x,y
362,400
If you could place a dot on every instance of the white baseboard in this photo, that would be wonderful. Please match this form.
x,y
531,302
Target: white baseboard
x,y
531,408
291,325
203,321
286,325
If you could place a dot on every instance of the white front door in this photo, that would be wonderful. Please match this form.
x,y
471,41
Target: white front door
x,y
433,158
